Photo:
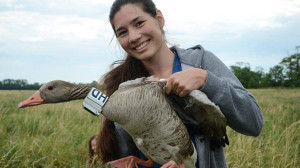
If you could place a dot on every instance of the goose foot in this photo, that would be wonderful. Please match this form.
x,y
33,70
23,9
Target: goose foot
x,y
172,164
129,162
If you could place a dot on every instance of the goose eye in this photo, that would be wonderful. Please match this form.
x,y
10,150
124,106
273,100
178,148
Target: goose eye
x,y
50,87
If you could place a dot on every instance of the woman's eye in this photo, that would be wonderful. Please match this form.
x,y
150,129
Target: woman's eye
x,y
139,23
121,33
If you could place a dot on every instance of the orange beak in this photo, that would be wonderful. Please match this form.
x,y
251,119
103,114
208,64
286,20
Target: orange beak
x,y
34,100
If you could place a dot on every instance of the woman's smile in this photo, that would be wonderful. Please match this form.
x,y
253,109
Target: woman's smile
x,y
142,46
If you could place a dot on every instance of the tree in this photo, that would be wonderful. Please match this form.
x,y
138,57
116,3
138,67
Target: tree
x,y
241,71
248,78
276,76
291,69
266,80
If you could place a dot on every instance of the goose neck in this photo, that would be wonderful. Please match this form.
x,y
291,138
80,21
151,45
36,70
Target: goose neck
x,y
79,92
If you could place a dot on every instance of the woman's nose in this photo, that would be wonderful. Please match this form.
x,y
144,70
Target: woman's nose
x,y
134,36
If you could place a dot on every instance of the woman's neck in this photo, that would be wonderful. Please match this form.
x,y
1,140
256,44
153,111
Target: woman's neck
x,y
161,64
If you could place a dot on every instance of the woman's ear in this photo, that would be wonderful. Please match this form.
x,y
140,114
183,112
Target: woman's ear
x,y
160,18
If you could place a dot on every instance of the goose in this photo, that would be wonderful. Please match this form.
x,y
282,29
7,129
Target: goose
x,y
152,118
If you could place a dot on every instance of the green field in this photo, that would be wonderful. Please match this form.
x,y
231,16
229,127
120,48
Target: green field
x,y
57,135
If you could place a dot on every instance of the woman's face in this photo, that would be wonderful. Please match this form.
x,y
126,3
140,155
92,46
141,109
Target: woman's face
x,y
93,144
139,34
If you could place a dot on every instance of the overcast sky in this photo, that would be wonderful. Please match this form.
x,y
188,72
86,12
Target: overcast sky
x,y
43,40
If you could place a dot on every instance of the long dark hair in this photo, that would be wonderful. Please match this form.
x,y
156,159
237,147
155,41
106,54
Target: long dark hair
x,y
122,70
127,69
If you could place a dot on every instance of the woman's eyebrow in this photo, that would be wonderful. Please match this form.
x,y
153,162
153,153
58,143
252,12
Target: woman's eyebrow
x,y
132,21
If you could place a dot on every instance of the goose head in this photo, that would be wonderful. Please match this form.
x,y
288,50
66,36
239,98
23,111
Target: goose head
x,y
55,92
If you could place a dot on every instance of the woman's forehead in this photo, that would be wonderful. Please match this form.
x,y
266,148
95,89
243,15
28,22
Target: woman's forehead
x,y
127,14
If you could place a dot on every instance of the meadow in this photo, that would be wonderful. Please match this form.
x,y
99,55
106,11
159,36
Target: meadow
x,y
57,135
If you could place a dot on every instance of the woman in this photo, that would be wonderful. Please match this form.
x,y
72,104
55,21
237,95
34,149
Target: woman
x,y
138,26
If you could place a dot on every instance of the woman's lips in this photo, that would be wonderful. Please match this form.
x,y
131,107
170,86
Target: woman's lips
x,y
142,45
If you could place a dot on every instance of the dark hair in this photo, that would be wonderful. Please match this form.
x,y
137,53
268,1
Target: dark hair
x,y
122,70
128,69
91,151
147,5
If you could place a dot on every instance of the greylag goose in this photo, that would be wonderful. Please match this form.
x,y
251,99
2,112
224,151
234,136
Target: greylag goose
x,y
148,115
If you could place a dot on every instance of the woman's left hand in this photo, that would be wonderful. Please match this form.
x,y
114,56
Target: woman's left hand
x,y
183,82
171,164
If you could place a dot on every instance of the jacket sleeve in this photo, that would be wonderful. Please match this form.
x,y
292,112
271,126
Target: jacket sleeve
x,y
237,104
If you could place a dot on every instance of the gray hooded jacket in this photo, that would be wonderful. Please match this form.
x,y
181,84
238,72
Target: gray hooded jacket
x,y
222,87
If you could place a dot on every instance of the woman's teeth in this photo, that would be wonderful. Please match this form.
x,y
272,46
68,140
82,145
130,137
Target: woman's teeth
x,y
141,46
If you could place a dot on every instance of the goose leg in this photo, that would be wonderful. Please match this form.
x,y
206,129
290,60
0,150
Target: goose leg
x,y
129,162
172,164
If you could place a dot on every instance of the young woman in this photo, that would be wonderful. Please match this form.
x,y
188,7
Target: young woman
x,y
138,26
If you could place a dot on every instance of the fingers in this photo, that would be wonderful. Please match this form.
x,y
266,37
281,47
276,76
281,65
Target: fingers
x,y
184,93
183,82
176,87
173,86
170,164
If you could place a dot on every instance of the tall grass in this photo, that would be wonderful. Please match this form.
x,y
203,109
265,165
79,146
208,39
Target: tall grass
x,y
57,135
44,136
279,143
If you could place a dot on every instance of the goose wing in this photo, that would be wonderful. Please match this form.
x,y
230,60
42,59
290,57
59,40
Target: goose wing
x,y
202,116
197,112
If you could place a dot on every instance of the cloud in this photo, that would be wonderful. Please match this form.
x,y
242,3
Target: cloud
x,y
205,18
32,26
90,8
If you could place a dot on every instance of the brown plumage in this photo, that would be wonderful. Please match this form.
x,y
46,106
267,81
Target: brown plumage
x,y
148,115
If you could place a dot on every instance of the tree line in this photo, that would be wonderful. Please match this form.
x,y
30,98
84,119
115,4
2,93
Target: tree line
x,y
22,84
18,84
285,74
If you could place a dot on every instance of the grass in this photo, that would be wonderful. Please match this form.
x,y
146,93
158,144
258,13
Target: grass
x,y
279,143
44,136
57,135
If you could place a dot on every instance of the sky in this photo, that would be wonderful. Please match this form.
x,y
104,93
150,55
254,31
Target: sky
x,y
72,40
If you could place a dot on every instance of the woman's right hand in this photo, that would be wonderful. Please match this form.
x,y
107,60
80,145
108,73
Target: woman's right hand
x,y
183,82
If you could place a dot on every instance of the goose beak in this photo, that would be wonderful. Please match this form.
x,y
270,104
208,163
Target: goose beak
x,y
34,100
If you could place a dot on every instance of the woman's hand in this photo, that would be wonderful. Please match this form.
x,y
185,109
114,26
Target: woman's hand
x,y
183,82
172,164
